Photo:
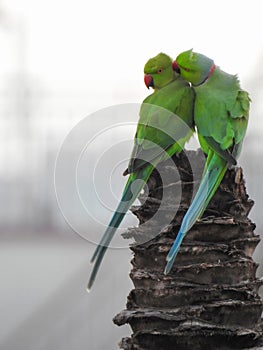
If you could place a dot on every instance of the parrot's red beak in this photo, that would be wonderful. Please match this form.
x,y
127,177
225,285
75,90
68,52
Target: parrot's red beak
x,y
148,80
176,67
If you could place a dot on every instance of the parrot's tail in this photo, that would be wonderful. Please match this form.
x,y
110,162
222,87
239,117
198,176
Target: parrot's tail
x,y
214,173
133,187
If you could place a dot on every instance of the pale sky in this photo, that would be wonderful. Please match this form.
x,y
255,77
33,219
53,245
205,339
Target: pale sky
x,y
103,45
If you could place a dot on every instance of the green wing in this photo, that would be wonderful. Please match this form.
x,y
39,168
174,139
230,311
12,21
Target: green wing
x,y
221,115
166,119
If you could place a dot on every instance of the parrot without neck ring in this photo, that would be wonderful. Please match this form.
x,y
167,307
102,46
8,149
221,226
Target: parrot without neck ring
x,y
165,125
221,113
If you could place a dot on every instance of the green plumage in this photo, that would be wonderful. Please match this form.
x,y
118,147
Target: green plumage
x,y
221,109
221,112
166,117
165,124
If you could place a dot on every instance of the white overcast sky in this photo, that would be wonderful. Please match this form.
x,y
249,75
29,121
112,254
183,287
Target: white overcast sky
x,y
104,44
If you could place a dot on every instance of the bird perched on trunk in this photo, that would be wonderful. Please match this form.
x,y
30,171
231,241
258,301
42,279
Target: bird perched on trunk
x,y
165,125
221,112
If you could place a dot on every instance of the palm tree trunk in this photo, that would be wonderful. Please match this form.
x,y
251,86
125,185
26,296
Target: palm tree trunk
x,y
210,299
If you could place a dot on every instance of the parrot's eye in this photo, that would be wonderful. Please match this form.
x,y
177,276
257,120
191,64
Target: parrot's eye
x,y
159,70
186,69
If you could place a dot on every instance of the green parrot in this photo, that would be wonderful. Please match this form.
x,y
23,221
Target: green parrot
x,y
165,125
221,112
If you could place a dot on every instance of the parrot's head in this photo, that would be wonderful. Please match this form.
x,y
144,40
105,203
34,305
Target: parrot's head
x,y
193,67
159,71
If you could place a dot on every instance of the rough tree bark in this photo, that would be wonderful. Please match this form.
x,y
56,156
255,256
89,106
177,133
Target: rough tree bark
x,y
210,299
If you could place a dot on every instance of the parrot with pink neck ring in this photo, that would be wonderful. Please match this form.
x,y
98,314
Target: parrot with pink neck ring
x,y
221,112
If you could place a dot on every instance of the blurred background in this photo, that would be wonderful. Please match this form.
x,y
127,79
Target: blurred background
x,y
60,62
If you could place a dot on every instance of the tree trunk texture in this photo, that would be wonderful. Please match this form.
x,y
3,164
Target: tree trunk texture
x,y
210,298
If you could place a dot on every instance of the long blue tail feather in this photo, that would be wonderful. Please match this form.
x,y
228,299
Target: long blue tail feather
x,y
211,180
130,193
